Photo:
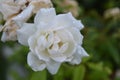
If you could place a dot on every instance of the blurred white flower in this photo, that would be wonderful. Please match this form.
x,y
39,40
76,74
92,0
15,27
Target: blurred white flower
x,y
53,39
68,6
20,11
73,7
38,4
11,8
112,13
10,27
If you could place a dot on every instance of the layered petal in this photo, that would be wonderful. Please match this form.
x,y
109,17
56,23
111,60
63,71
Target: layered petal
x,y
6,37
77,35
35,63
8,10
1,1
76,59
52,40
20,2
32,43
9,31
24,15
66,46
53,66
67,20
66,37
25,32
43,55
40,4
44,16
79,54
81,51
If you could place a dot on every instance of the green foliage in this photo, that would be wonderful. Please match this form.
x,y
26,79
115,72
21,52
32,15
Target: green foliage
x,y
39,75
101,41
79,73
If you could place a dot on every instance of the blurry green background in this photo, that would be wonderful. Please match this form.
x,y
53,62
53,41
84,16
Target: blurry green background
x,y
101,19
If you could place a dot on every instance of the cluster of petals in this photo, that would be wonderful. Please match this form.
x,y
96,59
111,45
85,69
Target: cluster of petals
x,y
20,11
52,40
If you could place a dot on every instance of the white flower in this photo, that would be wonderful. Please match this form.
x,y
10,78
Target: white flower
x,y
112,13
18,11
69,6
10,27
10,8
38,4
53,39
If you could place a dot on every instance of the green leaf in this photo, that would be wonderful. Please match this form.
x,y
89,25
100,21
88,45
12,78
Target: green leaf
x,y
108,70
114,53
86,59
98,75
95,66
59,75
41,75
79,73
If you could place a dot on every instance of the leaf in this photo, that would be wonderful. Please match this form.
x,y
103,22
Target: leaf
x,y
59,75
98,75
41,75
86,59
108,70
114,53
79,73
95,66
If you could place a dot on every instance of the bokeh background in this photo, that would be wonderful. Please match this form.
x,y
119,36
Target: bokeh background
x,y
101,19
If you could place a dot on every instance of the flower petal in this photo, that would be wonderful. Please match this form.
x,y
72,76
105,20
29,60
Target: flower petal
x,y
79,54
67,20
6,37
9,31
43,55
67,37
57,56
35,63
81,51
1,1
45,15
8,9
20,2
24,15
24,33
32,43
76,59
77,35
42,42
64,47
53,66
40,4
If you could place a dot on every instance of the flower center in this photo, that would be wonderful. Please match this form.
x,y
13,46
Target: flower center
x,y
52,42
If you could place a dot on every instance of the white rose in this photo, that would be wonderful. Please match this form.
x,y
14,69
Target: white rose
x,y
10,8
18,10
53,39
